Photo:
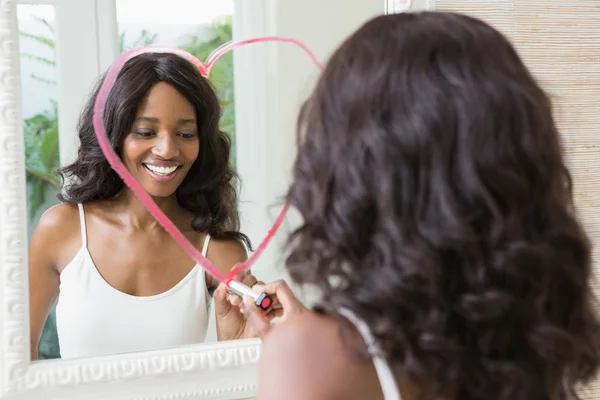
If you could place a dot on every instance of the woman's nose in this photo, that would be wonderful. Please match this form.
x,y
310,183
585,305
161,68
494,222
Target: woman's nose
x,y
165,147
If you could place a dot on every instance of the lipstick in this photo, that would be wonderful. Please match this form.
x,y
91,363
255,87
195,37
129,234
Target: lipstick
x,y
260,299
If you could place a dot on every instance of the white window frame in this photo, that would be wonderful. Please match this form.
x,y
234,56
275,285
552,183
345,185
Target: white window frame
x,y
92,39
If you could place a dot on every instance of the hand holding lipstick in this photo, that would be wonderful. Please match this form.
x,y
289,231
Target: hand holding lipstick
x,y
262,300
284,305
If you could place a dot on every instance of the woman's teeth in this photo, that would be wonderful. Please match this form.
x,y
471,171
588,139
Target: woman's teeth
x,y
161,170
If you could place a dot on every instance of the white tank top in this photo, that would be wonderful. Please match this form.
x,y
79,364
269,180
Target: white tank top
x,y
384,372
95,319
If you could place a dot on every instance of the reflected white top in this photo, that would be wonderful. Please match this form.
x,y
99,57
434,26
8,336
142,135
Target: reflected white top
x,y
384,373
95,319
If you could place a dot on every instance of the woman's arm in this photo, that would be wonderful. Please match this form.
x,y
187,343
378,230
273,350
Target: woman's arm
x,y
224,254
231,324
295,363
46,241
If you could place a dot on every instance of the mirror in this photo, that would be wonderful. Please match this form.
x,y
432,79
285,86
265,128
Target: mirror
x,y
52,52
114,274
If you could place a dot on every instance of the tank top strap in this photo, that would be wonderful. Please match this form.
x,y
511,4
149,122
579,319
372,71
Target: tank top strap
x,y
205,246
384,373
82,224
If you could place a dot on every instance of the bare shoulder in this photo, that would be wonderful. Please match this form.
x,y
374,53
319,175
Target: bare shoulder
x,y
302,326
303,348
58,221
302,335
306,357
55,235
226,253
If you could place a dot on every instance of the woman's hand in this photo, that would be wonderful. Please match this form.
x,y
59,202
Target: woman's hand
x,y
285,304
231,323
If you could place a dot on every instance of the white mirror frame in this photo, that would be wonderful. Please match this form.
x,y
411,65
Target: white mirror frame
x,y
224,370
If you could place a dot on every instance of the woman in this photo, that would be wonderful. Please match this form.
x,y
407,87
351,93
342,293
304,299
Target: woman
x,y
438,225
125,285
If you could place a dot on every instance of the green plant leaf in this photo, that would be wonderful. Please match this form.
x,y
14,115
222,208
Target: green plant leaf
x,y
122,43
43,80
34,165
145,38
48,347
48,42
36,197
40,59
42,156
221,75
45,22
49,148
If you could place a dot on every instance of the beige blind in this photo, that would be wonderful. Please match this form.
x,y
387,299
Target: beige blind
x,y
559,40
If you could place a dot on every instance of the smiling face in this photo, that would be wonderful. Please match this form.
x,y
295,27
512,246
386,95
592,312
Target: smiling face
x,y
163,141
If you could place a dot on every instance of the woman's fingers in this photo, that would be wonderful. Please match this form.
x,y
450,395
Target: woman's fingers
x,y
256,317
244,277
286,304
234,300
284,295
220,294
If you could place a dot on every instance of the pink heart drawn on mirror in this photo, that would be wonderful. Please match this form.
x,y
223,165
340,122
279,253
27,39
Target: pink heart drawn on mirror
x,y
139,191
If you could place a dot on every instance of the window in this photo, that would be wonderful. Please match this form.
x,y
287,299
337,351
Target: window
x,y
40,122
40,109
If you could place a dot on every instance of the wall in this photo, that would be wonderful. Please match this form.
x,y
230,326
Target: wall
x,y
82,54
271,81
271,84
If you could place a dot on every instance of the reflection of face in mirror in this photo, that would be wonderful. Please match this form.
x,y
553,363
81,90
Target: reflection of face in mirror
x,y
125,285
158,160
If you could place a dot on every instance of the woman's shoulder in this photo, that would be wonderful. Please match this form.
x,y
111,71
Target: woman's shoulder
x,y
225,253
306,334
56,232
307,347
59,224
59,218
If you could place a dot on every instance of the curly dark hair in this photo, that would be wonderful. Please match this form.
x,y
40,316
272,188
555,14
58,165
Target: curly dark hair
x,y
208,190
437,206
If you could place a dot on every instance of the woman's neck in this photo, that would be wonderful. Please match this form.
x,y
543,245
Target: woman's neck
x,y
136,214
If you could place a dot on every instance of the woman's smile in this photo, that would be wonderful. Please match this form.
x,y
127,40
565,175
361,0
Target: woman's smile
x,y
161,173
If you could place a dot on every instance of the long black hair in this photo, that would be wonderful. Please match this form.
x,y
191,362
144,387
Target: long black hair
x,y
438,207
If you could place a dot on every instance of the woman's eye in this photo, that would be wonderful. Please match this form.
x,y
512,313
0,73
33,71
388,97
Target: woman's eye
x,y
187,135
144,133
